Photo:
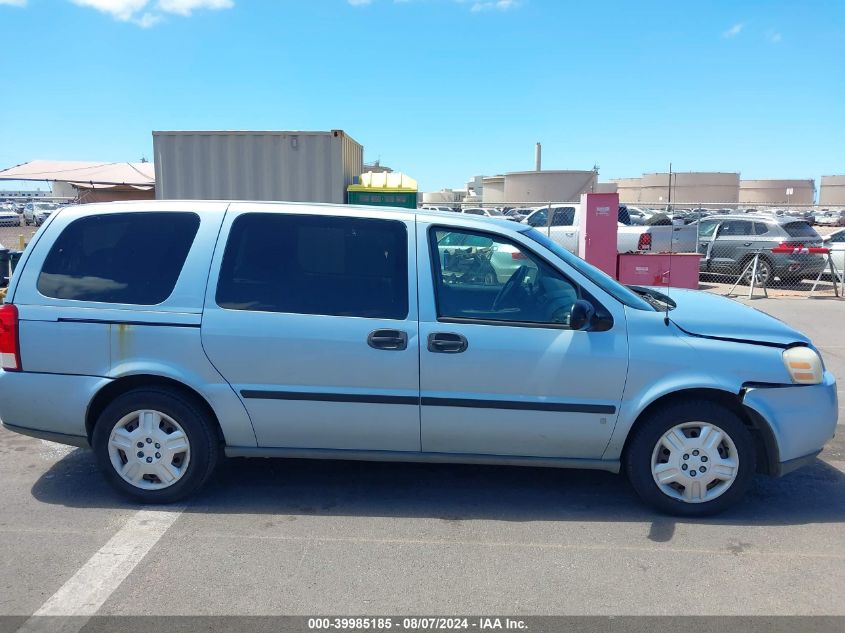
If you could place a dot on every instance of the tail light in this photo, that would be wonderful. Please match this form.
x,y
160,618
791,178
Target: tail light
x,y
644,243
517,255
10,356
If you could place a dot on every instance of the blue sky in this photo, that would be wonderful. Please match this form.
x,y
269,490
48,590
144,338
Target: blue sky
x,y
440,89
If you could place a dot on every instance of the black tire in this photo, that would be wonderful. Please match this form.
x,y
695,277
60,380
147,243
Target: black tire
x,y
645,437
765,270
205,449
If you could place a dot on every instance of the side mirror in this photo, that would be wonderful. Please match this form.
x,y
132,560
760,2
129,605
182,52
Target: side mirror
x,y
581,315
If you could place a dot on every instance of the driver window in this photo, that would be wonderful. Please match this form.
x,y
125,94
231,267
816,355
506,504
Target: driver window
x,y
486,277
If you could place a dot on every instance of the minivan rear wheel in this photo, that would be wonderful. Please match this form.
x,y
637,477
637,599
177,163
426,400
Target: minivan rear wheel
x,y
692,458
155,446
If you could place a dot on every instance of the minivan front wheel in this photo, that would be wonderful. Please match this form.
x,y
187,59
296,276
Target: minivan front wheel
x,y
155,445
691,459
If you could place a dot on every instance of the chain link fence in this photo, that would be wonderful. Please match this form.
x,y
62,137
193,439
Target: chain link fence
x,y
732,249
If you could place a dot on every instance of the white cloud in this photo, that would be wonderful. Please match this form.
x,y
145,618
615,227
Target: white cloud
x,y
146,13
497,5
735,30
185,7
14,3
123,10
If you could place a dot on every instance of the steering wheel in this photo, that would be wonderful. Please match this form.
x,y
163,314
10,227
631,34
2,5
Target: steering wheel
x,y
510,287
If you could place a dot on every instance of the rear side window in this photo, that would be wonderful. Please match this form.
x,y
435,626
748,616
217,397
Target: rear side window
x,y
735,227
310,264
800,229
130,258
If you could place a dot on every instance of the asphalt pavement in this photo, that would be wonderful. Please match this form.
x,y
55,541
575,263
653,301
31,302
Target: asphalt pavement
x,y
307,537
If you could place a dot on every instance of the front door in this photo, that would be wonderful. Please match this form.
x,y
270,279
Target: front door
x,y
501,371
313,322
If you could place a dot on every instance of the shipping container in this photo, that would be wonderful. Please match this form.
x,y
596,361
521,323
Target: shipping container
x,y
244,165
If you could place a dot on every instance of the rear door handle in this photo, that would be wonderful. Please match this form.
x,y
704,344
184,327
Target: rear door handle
x,y
395,340
747,244
447,343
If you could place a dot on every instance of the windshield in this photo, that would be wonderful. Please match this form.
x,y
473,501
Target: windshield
x,y
494,212
601,279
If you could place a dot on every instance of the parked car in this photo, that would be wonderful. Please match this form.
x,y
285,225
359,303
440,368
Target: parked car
x,y
728,243
437,208
638,216
8,217
831,218
486,212
517,214
565,230
170,333
36,212
836,243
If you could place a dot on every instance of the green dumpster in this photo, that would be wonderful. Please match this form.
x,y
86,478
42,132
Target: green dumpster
x,y
383,189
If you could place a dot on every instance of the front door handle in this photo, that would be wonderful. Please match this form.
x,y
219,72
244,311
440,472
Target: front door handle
x,y
747,244
395,340
447,343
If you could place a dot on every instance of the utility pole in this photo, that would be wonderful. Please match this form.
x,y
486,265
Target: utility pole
x,y
670,187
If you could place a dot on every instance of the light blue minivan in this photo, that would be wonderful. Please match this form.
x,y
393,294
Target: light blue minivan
x,y
168,334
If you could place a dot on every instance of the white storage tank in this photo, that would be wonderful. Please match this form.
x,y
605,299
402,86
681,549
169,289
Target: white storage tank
x,y
244,165
628,189
832,191
777,192
548,186
690,188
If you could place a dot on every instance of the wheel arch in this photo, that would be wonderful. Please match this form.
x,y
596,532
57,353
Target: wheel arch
x,y
764,439
120,386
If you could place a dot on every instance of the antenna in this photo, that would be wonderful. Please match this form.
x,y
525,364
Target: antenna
x,y
671,249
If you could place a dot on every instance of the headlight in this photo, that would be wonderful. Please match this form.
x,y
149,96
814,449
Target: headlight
x,y
804,365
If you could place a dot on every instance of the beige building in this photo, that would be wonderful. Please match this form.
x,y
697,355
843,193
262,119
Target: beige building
x,y
832,191
777,192
494,189
628,189
605,187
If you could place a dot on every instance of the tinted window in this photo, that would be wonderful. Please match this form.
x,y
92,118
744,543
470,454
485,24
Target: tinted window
x,y
309,264
132,258
760,228
800,229
563,216
539,218
499,282
735,227
474,211
838,237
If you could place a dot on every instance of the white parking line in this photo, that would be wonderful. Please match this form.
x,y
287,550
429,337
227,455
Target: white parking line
x,y
88,589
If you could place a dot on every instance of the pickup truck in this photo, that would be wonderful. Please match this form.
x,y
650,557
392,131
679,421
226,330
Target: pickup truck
x,y
564,229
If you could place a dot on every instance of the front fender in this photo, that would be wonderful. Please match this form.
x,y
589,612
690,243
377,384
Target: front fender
x,y
664,360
